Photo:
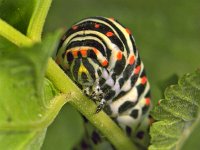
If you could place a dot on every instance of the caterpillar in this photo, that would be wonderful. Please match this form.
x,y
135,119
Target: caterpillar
x,y
100,56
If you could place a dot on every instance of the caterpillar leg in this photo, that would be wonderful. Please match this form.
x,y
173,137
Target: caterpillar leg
x,y
101,105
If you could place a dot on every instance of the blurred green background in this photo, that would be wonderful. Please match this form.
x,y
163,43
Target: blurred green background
x,y
167,35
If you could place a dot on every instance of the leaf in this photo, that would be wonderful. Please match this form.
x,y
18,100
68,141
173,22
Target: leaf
x,y
162,84
17,13
178,116
25,111
49,90
66,131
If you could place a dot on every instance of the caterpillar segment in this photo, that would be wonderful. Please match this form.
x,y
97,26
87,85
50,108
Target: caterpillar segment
x,y
101,57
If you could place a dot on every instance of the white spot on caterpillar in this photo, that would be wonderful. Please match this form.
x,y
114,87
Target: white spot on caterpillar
x,y
110,81
105,74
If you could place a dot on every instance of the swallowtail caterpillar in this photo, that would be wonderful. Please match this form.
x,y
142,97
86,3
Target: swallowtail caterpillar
x,y
101,57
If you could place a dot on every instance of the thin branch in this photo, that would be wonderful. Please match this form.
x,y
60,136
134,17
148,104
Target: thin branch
x,y
38,19
13,35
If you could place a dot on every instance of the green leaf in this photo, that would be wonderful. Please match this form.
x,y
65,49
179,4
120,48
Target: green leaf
x,y
66,131
172,79
25,111
178,115
192,140
49,90
17,13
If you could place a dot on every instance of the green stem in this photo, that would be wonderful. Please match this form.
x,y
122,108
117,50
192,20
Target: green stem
x,y
13,35
101,121
38,19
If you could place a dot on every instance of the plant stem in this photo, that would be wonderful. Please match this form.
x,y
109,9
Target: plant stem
x,y
38,19
101,121
13,35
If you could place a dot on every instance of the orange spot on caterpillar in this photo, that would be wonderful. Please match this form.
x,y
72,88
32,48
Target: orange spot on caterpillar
x,y
137,69
75,54
119,55
147,101
128,31
143,80
97,25
131,60
104,63
74,27
109,34
84,52
95,51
